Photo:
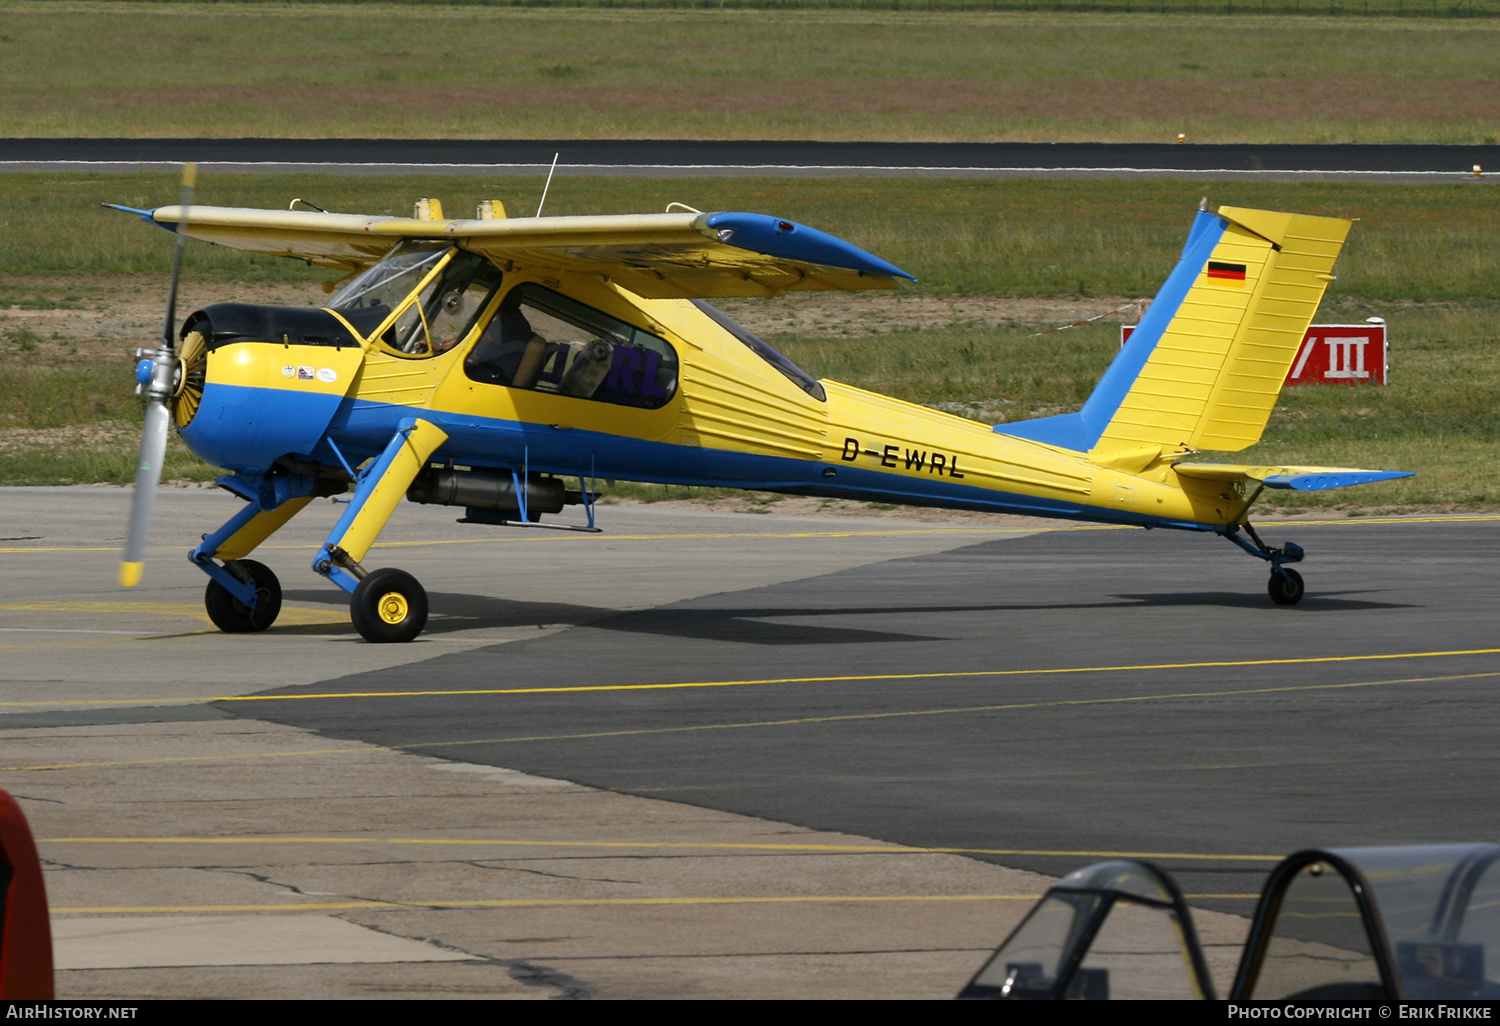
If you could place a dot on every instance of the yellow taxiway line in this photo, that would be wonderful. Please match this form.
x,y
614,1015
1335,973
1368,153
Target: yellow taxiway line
x,y
1217,664
703,535
1041,526
737,846
758,724
371,905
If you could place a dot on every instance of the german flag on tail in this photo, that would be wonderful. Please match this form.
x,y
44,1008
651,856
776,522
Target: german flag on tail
x,y
1228,274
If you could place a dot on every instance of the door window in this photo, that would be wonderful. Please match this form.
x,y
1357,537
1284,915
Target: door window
x,y
544,341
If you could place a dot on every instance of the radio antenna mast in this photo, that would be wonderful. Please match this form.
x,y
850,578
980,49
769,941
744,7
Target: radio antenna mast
x,y
548,185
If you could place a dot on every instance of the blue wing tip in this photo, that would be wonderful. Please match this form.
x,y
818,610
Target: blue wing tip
x,y
144,215
776,236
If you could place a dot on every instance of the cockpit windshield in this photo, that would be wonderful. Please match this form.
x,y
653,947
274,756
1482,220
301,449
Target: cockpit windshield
x,y
385,299
370,297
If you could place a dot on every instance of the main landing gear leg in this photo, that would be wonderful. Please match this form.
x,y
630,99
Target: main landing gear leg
x,y
1285,585
385,605
244,596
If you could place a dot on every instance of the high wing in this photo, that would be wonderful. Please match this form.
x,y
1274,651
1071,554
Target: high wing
x,y
658,256
1302,479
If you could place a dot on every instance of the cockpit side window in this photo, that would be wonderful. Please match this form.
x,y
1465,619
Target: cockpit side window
x,y
803,380
448,306
546,342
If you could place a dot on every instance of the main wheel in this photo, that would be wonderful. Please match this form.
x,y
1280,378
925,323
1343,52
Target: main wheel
x,y
231,615
1285,587
389,605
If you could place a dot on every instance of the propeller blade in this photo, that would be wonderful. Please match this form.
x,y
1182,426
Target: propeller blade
x,y
147,477
157,378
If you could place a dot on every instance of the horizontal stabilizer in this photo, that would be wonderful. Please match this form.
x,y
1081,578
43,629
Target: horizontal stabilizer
x,y
1301,479
687,255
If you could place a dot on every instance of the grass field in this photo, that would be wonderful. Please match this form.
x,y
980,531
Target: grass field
x,y
1426,258
470,71
1352,8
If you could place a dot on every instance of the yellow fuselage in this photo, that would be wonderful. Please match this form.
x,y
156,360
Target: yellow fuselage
x,y
734,420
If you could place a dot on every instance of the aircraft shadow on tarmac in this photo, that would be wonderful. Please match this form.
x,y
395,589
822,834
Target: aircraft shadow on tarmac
x,y
454,612
1328,602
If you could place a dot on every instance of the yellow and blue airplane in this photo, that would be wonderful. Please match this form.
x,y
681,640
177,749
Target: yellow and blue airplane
x,y
506,365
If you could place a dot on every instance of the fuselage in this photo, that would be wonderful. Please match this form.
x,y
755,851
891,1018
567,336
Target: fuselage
x,y
689,398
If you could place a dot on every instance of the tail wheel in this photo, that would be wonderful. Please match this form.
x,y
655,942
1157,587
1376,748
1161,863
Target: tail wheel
x,y
1285,587
194,357
389,606
231,615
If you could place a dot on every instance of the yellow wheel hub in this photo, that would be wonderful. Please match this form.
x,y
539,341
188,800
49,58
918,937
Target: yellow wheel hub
x,y
393,607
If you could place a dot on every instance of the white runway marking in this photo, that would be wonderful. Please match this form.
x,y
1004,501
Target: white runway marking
x,y
747,170
68,630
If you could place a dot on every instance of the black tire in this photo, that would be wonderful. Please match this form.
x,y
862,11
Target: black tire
x,y
1285,587
231,615
388,606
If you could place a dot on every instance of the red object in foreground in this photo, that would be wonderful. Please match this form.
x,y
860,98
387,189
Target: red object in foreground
x,y
1332,354
25,933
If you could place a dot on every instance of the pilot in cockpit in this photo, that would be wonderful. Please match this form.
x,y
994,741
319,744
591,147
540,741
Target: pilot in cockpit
x,y
508,352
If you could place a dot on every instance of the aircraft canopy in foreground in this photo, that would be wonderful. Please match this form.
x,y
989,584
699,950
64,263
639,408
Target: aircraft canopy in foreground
x,y
1400,923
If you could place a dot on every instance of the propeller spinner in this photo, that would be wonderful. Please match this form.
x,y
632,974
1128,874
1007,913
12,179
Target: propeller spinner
x,y
158,377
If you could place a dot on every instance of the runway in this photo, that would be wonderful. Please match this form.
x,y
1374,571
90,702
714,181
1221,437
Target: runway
x,y
666,158
966,704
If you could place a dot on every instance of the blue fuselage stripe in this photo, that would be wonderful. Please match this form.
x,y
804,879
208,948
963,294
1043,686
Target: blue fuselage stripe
x,y
363,429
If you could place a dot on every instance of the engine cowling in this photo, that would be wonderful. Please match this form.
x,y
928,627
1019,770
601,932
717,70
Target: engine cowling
x,y
271,380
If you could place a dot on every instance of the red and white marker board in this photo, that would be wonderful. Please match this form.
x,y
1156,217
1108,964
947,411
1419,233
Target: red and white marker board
x,y
1333,354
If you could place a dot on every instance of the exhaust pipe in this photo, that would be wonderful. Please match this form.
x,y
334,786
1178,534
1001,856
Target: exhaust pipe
x,y
481,490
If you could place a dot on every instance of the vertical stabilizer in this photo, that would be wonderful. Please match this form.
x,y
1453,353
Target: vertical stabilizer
x,y
1204,367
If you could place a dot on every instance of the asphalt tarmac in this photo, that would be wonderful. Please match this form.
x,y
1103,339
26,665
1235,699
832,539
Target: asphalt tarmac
x,y
1079,690
707,754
